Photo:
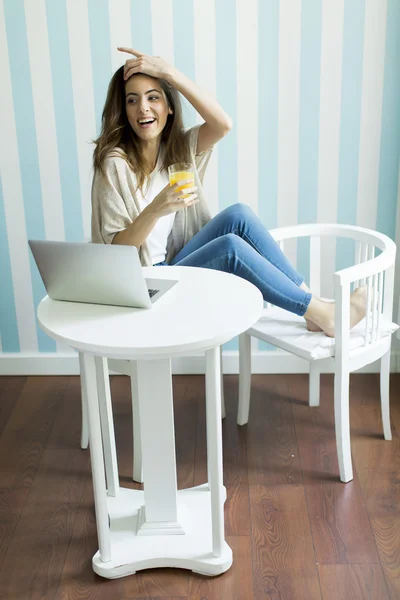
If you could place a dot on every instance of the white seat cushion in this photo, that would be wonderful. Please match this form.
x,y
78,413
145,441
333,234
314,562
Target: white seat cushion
x,y
289,332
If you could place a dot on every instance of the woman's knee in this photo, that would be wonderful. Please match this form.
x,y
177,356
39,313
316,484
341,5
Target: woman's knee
x,y
240,209
230,243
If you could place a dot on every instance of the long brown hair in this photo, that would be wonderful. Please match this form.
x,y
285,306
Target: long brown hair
x,y
116,131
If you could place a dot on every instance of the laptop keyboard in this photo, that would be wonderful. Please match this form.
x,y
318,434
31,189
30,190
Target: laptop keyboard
x,y
153,292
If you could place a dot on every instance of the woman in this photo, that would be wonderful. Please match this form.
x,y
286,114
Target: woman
x,y
133,203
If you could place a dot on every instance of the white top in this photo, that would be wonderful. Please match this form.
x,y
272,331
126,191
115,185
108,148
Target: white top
x,y
157,238
205,309
115,203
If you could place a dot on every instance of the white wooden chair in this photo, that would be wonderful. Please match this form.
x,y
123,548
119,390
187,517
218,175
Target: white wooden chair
x,y
348,351
125,367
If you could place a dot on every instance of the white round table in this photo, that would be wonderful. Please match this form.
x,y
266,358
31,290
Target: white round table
x,y
159,526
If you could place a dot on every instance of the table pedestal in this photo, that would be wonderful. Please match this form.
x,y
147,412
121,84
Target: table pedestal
x,y
192,550
160,526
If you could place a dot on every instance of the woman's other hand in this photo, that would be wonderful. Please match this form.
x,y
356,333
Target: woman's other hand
x,y
154,66
169,200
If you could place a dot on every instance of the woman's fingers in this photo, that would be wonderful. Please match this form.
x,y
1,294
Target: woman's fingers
x,y
180,183
131,71
130,51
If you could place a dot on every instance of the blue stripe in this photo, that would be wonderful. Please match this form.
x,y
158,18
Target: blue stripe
x,y
8,316
142,37
184,50
27,143
99,27
268,90
268,95
225,24
65,118
352,67
310,75
390,134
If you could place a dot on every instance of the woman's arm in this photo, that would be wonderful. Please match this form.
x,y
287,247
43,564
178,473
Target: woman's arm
x,y
136,233
171,199
217,122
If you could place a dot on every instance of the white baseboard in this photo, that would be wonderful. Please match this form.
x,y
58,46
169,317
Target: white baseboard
x,y
271,362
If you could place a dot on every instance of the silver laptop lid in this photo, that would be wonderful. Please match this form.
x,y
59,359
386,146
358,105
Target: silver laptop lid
x,y
94,273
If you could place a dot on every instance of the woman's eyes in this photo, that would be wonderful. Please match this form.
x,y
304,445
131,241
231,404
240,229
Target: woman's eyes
x,y
134,100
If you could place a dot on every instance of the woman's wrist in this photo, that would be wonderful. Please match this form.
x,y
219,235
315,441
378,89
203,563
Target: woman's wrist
x,y
174,77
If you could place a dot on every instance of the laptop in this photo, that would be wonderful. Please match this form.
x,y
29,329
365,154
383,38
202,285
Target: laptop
x,y
96,273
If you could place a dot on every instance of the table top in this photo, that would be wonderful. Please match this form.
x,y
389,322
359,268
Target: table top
x,y
205,309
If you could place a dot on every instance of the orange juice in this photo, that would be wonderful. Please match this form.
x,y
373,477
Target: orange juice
x,y
181,172
182,176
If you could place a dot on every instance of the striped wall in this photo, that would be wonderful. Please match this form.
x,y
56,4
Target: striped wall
x,y
313,87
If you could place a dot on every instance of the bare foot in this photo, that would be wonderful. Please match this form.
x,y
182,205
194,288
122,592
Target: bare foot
x,y
312,326
324,317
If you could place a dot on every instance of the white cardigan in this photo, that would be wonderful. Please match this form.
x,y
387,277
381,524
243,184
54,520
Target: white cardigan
x,y
115,205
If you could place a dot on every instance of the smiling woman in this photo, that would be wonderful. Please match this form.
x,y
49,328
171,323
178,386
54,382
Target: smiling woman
x,y
133,203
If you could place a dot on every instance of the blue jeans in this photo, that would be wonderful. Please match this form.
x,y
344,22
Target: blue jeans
x,y
235,241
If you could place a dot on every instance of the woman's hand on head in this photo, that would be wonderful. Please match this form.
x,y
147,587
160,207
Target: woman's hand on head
x,y
170,200
154,66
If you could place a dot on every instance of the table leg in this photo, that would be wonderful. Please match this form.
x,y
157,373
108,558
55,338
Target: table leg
x,y
154,387
137,442
96,459
214,447
84,426
107,425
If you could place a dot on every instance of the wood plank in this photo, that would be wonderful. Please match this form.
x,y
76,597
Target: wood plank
x,y
284,564
66,431
339,522
381,491
338,516
78,580
236,583
36,554
315,430
369,448
11,504
352,582
27,431
10,390
272,451
159,583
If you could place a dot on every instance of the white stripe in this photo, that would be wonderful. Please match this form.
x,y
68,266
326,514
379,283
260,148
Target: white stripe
x,y
206,77
14,205
247,102
45,121
120,31
288,117
329,130
84,109
396,309
163,29
371,112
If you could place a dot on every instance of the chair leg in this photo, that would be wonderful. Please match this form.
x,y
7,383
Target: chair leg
x,y
223,411
85,426
137,439
385,405
342,424
244,378
314,392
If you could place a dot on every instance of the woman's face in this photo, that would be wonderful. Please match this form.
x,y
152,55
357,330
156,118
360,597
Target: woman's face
x,y
146,107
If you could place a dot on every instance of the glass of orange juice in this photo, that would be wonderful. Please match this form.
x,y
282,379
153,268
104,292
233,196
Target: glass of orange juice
x,y
181,172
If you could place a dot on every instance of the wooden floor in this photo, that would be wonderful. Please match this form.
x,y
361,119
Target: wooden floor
x,y
296,532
